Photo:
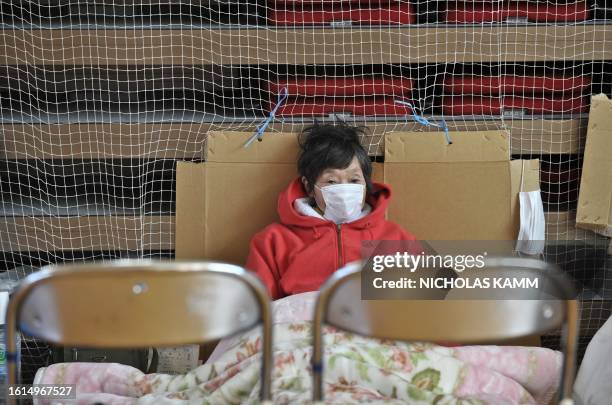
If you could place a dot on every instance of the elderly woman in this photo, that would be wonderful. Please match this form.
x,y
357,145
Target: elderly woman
x,y
325,214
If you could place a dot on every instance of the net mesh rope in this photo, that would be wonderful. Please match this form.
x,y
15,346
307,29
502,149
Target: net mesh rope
x,y
99,99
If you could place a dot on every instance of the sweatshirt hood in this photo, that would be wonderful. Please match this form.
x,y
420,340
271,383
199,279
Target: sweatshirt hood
x,y
378,200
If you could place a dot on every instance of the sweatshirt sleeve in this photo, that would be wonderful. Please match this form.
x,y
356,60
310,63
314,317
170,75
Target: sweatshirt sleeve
x,y
261,261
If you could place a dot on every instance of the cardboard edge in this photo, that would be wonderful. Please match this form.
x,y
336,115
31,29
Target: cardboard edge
x,y
229,147
190,219
378,172
599,219
467,146
378,176
604,230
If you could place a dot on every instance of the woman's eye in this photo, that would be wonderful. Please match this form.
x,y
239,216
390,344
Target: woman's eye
x,y
331,182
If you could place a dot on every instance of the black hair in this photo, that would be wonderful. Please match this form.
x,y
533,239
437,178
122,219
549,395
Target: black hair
x,y
324,146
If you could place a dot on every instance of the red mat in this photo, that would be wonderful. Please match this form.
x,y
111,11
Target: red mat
x,y
344,86
468,12
327,106
513,84
474,105
380,15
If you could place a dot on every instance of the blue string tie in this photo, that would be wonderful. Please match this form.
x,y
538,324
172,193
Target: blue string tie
x,y
259,132
424,121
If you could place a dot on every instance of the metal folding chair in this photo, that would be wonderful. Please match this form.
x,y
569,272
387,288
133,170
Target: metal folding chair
x,y
462,319
137,303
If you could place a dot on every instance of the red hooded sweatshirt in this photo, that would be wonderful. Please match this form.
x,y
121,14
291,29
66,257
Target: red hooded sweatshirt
x,y
300,253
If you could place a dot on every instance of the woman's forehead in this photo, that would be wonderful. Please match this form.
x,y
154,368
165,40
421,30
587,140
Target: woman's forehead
x,y
353,168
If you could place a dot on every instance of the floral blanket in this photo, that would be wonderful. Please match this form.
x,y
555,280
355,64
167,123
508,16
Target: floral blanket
x,y
357,370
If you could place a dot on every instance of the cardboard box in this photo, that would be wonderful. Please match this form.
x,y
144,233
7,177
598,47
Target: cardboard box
x,y
223,202
469,193
595,198
467,190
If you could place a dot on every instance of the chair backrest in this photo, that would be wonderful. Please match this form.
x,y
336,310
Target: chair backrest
x,y
463,317
135,303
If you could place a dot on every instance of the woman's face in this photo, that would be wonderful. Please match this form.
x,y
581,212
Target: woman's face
x,y
351,174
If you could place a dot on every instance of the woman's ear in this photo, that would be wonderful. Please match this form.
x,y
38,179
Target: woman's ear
x,y
309,192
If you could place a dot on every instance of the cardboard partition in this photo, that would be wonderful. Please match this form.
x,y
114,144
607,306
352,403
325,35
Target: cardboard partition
x,y
467,190
595,198
222,203
464,191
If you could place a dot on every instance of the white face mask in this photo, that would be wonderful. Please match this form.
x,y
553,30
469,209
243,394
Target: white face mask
x,y
533,227
343,202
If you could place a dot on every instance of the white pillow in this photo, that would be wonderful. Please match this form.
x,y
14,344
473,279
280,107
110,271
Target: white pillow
x,y
594,381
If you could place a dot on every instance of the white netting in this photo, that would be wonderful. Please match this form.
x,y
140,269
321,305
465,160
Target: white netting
x,y
100,98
